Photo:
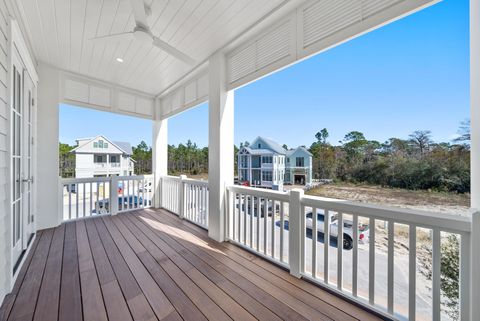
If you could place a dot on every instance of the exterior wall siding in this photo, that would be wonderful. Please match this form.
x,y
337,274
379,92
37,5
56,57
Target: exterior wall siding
x,y
4,159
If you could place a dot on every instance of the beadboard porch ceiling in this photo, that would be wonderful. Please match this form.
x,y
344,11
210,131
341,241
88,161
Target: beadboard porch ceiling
x,y
60,34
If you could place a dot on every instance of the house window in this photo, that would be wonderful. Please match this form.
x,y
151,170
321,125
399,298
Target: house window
x,y
95,145
99,159
267,159
288,160
113,159
259,145
105,145
300,162
267,176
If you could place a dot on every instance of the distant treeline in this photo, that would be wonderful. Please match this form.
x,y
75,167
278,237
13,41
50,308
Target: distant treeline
x,y
413,163
416,162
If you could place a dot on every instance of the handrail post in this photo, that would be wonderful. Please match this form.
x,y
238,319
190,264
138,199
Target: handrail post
x,y
113,195
474,264
61,206
181,198
295,232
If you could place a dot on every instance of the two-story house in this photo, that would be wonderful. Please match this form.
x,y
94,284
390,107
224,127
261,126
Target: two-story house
x,y
264,163
100,157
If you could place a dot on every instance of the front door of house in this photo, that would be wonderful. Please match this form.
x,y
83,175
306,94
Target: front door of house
x,y
22,120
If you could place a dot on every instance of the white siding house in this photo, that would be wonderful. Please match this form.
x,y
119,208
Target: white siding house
x,y
264,163
100,157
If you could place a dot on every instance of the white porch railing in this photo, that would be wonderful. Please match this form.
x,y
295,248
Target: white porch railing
x,y
280,226
187,198
84,197
361,257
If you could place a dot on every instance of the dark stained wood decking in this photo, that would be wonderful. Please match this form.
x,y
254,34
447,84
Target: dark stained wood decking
x,y
150,265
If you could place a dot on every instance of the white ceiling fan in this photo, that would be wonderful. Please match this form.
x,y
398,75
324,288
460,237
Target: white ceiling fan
x,y
143,35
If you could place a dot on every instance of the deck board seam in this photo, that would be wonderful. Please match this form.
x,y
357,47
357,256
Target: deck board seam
x,y
215,265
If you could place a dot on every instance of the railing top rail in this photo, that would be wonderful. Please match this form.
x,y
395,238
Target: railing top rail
x,y
196,182
276,195
176,178
136,177
443,221
85,180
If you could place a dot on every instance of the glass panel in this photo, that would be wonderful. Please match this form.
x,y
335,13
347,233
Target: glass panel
x,y
14,223
17,226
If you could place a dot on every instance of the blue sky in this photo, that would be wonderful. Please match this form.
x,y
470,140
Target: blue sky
x,y
409,75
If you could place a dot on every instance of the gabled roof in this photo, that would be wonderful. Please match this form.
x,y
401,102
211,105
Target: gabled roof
x,y
124,147
292,151
274,146
253,151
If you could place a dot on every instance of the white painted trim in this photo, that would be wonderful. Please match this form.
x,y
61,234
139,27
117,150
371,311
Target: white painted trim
x,y
19,42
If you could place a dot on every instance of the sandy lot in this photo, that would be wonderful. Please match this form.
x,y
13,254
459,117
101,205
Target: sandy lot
x,y
421,200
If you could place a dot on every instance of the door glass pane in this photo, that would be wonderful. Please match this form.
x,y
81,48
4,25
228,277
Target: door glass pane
x,y
14,237
17,226
17,178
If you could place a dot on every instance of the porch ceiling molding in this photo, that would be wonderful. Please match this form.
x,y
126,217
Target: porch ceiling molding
x,y
309,29
92,93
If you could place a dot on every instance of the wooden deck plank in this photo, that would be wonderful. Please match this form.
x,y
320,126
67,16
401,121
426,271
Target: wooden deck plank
x,y
25,303
193,253
137,303
273,273
289,283
188,307
9,299
49,296
185,260
93,306
115,304
70,291
150,265
157,299
162,252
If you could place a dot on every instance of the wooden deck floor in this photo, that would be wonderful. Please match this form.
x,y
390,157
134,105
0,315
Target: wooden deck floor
x,y
150,265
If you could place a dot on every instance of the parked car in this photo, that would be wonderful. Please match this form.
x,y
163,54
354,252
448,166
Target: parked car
x,y
255,206
131,201
363,230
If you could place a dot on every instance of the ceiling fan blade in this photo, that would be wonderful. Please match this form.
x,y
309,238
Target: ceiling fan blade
x,y
173,51
124,36
139,13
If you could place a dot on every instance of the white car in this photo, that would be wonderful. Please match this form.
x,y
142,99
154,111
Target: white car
x,y
363,230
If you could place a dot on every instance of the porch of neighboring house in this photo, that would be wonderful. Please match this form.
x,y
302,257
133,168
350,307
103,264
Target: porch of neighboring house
x,y
149,265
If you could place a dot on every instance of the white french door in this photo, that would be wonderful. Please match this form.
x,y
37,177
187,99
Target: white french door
x,y
22,120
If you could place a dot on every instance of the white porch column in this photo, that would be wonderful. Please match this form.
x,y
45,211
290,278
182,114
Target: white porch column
x,y
49,211
220,144
475,154
159,156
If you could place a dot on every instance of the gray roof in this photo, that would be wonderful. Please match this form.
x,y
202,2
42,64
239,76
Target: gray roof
x,y
273,145
290,152
257,151
125,147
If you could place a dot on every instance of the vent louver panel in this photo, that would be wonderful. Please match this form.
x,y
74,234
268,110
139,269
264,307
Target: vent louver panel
x,y
258,55
371,7
325,18
322,19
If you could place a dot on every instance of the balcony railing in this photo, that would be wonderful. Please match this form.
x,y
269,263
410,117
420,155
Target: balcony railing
x,y
187,198
352,249
280,227
84,197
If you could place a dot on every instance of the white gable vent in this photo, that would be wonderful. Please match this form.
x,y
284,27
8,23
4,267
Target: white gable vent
x,y
260,55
